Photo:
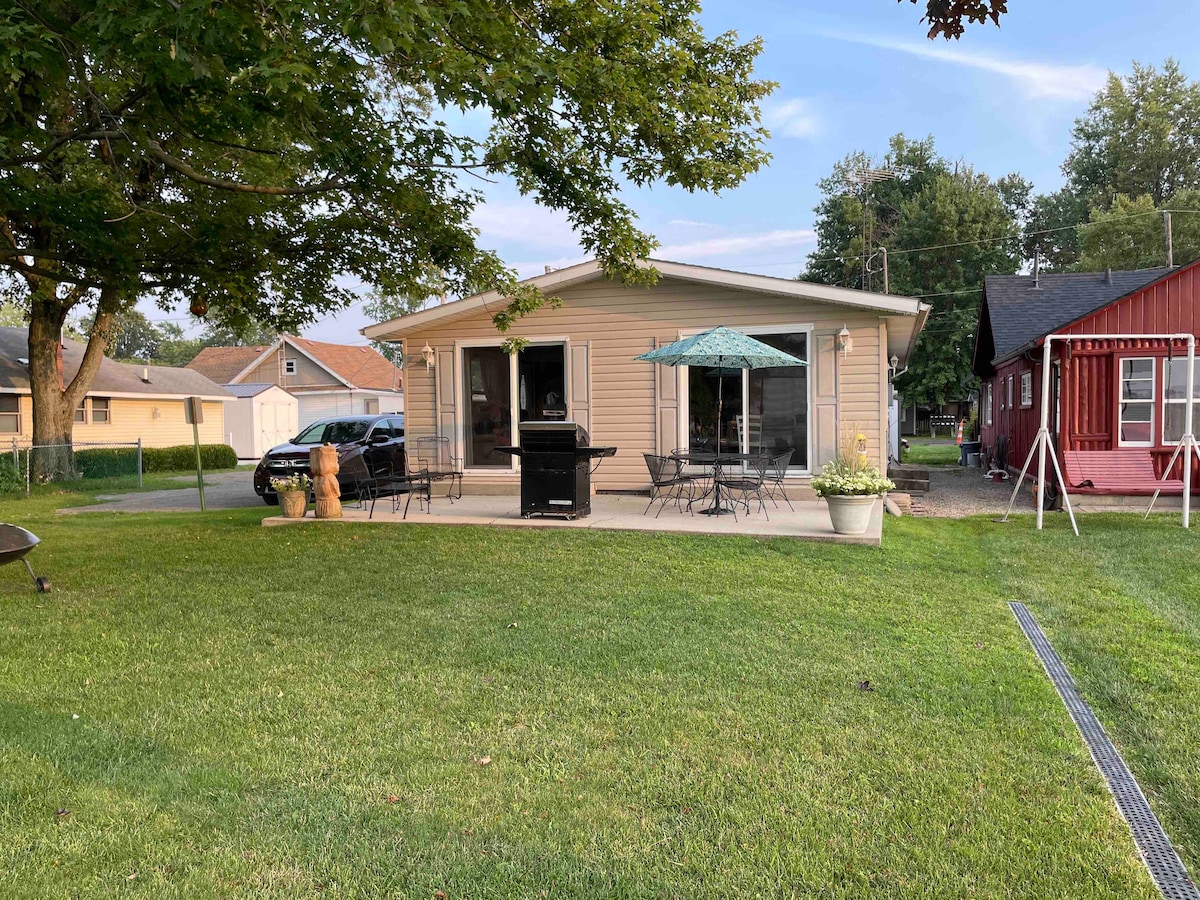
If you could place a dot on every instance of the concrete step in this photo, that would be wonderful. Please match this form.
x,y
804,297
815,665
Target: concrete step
x,y
911,485
910,478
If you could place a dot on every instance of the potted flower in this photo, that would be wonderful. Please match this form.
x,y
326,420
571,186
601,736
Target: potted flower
x,y
293,494
850,485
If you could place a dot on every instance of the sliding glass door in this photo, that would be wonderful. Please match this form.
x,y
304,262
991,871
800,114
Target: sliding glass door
x,y
487,403
498,394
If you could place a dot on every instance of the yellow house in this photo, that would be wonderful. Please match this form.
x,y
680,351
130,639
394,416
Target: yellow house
x,y
579,364
126,402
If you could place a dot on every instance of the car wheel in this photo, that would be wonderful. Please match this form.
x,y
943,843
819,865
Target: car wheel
x,y
271,499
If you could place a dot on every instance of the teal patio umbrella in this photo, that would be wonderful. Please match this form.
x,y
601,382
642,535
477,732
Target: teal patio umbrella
x,y
725,349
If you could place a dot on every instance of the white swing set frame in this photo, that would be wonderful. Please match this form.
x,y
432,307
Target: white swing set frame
x,y
1041,443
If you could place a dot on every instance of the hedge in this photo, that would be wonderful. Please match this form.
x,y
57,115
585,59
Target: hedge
x,y
109,462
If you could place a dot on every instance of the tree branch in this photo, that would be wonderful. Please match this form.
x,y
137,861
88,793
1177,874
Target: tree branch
x,y
155,150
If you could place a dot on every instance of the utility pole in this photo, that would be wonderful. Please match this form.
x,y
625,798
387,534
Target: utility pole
x,y
1170,248
883,254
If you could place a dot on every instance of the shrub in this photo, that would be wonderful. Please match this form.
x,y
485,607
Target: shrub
x,y
183,458
109,462
106,462
11,479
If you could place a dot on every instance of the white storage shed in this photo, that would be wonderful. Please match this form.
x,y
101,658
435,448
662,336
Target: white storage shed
x,y
262,416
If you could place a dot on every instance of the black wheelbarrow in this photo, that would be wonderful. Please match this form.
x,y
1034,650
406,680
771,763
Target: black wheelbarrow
x,y
15,543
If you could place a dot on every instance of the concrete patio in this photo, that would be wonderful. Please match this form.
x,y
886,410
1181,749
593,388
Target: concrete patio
x,y
810,521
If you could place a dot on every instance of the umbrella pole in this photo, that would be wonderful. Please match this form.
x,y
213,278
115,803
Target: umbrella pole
x,y
717,462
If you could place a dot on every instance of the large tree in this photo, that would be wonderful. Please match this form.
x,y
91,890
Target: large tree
x,y
945,226
1140,138
239,157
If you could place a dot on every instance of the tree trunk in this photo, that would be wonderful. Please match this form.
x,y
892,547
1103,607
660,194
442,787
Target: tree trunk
x,y
53,403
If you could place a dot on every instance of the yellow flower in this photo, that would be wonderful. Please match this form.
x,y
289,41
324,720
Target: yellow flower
x,y
860,437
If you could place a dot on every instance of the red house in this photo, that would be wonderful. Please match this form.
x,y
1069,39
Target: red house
x,y
1106,395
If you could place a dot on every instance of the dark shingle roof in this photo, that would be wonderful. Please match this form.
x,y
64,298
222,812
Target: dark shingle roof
x,y
113,377
1017,312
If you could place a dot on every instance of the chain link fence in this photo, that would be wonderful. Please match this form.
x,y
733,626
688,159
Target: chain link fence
x,y
78,461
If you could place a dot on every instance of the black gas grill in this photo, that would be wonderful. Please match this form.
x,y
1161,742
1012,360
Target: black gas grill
x,y
556,468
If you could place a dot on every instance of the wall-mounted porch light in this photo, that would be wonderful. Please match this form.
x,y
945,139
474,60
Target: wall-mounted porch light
x,y
429,355
844,342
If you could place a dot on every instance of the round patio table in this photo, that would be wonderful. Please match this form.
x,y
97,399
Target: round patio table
x,y
717,461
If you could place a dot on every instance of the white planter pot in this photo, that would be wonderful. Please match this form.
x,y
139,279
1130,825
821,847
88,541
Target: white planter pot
x,y
851,515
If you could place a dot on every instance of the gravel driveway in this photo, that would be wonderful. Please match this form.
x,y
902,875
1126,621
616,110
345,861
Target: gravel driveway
x,y
955,492
222,490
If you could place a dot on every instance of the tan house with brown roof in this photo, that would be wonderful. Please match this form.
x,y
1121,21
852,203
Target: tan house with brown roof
x,y
326,379
579,364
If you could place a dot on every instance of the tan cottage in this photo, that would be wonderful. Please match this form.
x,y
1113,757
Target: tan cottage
x,y
579,365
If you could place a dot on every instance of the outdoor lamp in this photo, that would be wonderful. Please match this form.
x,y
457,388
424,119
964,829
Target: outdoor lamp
x,y
429,355
894,362
844,343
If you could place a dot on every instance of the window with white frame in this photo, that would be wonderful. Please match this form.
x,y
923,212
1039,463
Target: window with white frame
x,y
101,411
1135,414
10,414
1175,398
81,412
987,404
1026,389
1009,392
289,367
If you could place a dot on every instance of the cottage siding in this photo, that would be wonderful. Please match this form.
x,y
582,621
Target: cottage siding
x,y
133,419
634,405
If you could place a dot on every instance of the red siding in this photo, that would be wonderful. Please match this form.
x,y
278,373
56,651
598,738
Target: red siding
x,y
1090,371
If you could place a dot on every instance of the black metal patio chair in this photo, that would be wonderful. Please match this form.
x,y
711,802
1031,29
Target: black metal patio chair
x,y
668,482
740,484
433,454
777,469
413,483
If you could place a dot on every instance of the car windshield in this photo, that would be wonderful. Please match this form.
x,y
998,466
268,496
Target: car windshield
x,y
333,432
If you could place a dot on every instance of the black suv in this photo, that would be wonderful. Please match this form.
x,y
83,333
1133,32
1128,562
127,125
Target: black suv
x,y
367,446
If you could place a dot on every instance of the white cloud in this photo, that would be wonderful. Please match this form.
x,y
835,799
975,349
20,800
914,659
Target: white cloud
x,y
692,223
1049,81
792,118
525,223
734,244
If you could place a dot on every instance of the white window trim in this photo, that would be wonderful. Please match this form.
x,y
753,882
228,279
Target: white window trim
x,y
681,385
460,410
91,419
1026,390
290,365
18,414
1179,401
988,400
1152,402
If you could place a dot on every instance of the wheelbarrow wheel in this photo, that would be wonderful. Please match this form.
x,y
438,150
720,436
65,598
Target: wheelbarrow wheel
x,y
43,585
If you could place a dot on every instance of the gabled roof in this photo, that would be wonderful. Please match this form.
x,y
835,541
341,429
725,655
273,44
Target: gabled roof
x,y
1015,312
222,364
888,304
114,379
358,368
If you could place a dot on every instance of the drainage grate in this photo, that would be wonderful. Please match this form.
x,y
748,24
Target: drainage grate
x,y
1164,864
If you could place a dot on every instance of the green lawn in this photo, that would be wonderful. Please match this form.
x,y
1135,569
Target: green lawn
x,y
925,452
302,711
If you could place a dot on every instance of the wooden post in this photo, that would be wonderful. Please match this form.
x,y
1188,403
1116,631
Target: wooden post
x,y
323,461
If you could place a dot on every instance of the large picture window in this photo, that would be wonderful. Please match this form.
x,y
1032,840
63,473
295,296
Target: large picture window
x,y
1135,424
1175,398
762,410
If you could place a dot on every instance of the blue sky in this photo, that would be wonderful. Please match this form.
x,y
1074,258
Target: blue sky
x,y
852,73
